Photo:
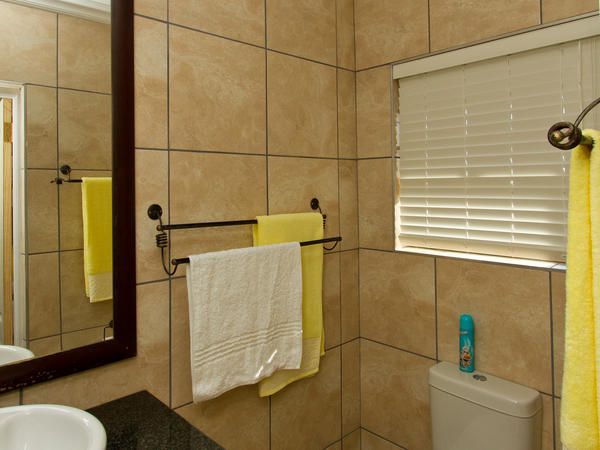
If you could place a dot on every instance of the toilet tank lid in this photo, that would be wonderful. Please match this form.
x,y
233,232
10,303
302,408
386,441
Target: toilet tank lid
x,y
494,393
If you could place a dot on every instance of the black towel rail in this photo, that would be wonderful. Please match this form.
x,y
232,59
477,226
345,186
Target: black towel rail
x,y
567,135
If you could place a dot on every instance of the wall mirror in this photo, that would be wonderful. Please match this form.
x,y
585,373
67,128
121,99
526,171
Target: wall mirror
x,y
67,245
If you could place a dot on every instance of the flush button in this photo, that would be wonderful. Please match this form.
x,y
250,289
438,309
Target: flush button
x,y
480,377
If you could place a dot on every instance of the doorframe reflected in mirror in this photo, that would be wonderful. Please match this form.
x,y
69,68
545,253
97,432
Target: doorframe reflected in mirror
x,y
123,344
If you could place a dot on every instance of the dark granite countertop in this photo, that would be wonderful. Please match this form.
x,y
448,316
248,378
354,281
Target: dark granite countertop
x,y
142,422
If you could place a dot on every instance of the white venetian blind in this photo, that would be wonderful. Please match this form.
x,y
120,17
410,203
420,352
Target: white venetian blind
x,y
475,172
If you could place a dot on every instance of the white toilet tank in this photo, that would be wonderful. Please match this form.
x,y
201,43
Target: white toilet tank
x,y
476,411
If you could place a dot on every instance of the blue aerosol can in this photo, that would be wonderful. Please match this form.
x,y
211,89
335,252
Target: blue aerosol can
x,y
467,343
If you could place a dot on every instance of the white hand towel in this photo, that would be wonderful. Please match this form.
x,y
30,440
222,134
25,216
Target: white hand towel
x,y
245,316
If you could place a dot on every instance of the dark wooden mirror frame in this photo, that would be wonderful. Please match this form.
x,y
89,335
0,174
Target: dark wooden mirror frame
x,y
123,345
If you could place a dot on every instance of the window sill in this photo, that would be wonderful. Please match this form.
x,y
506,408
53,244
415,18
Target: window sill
x,y
552,266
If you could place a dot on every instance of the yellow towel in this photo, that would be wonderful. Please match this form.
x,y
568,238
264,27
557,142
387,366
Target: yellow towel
x,y
97,238
579,408
297,228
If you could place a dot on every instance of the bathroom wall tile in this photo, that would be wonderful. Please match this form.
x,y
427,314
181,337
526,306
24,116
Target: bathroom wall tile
x,y
335,446
151,8
84,54
556,9
43,296
71,220
547,423
293,182
350,386
346,92
557,443
352,441
374,118
302,107
452,21
42,211
238,419
77,312
331,299
559,297
510,345
45,346
217,93
29,42
82,337
306,414
243,20
345,34
151,186
389,30
151,86
84,130
181,378
349,295
149,370
375,204
40,127
370,441
394,287
304,28
10,399
348,204
395,395
208,187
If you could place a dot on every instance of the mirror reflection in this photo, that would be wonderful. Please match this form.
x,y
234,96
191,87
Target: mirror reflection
x,y
56,240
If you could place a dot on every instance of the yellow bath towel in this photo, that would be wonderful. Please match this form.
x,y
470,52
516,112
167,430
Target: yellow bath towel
x,y
580,403
97,238
297,228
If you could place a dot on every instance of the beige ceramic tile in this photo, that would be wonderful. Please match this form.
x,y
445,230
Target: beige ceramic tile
x,y
374,118
151,109
237,420
181,385
71,219
352,441
151,186
349,295
43,310
370,441
40,127
452,21
243,20
149,370
42,211
304,28
84,130
10,399
217,93
306,414
302,107
335,446
389,30
398,288
348,204
375,204
29,42
331,299
558,327
346,113
82,338
547,423
151,8
77,311
395,395
84,58
345,34
350,386
560,9
293,182
45,346
209,187
557,443
507,302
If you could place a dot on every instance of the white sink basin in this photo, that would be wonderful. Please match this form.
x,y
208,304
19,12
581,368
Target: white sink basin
x,y
50,427
10,354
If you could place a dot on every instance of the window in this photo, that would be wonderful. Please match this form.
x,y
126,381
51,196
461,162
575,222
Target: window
x,y
474,170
